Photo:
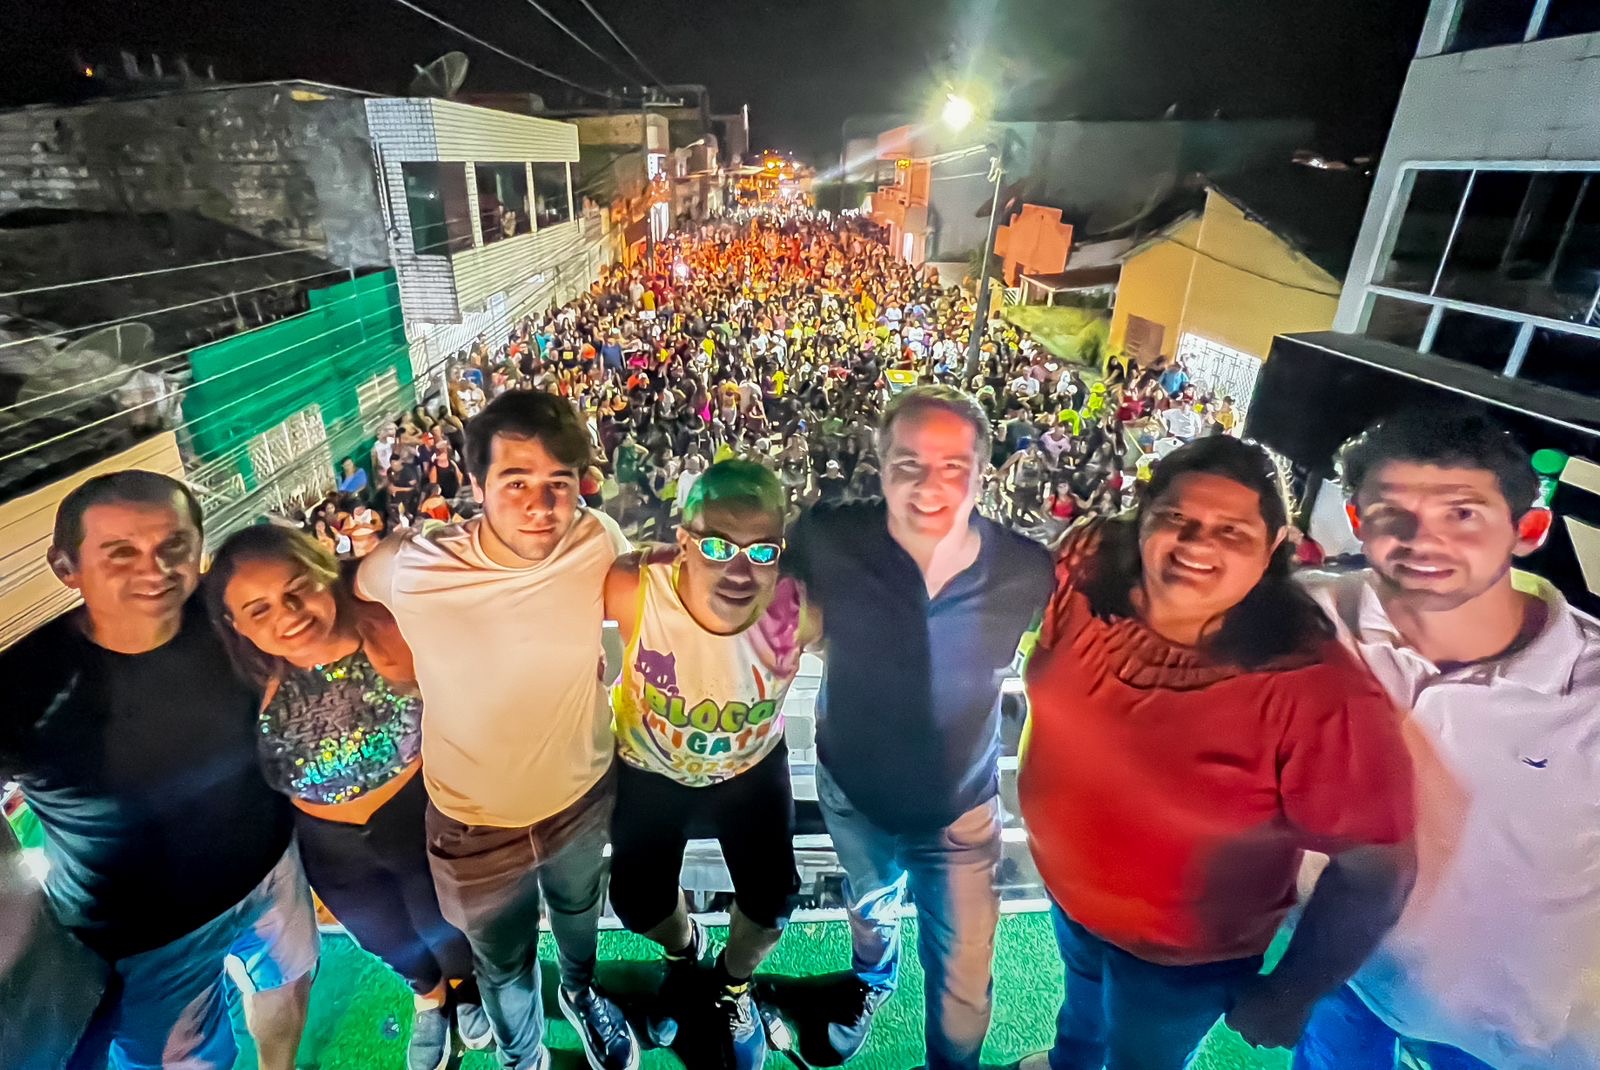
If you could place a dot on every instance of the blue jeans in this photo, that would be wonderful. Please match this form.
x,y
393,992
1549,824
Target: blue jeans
x,y
167,1008
951,876
1124,1013
1345,1035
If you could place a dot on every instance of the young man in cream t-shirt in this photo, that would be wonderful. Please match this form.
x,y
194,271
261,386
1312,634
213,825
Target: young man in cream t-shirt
x,y
504,616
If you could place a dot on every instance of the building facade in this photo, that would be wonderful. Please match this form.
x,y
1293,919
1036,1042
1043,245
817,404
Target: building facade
x,y
1475,280
1482,240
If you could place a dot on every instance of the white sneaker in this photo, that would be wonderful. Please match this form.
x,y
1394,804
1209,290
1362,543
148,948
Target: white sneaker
x,y
1039,1060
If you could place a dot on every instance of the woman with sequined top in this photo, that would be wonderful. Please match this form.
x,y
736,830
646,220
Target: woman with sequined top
x,y
340,730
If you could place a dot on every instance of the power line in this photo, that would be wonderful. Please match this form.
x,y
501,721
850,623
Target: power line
x,y
453,28
155,271
123,371
618,38
564,28
85,328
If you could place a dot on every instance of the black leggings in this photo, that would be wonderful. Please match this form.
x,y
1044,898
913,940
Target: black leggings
x,y
375,879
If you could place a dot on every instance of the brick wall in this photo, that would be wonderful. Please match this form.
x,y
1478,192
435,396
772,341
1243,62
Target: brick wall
x,y
285,164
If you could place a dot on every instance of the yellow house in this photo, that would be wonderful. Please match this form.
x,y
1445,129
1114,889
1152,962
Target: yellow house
x,y
1265,256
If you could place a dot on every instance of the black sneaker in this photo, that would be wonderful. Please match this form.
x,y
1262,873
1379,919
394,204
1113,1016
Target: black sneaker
x,y
608,1039
847,1033
744,1042
682,988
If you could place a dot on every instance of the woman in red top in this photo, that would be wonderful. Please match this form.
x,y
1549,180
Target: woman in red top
x,y
1194,728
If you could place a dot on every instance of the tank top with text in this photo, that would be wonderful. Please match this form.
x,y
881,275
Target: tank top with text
x,y
696,707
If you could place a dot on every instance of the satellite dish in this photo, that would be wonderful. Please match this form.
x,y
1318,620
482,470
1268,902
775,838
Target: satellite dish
x,y
91,368
442,78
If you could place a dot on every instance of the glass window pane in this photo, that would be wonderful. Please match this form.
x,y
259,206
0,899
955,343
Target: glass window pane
x,y
1566,17
1482,23
1477,340
551,203
1397,321
1569,361
436,202
502,200
1424,229
1528,243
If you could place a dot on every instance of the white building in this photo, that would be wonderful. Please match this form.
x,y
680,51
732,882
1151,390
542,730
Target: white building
x,y
1482,240
1475,282
484,226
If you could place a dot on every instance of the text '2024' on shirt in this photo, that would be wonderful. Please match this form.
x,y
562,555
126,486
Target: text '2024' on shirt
x,y
142,768
908,721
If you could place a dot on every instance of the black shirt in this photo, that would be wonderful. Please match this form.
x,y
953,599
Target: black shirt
x,y
908,718
142,769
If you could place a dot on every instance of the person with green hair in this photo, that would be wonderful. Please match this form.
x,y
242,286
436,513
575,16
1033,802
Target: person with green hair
x,y
712,640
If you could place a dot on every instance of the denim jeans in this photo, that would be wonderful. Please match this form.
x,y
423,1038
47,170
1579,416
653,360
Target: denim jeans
x,y
490,882
951,876
1124,1013
1345,1035
168,1007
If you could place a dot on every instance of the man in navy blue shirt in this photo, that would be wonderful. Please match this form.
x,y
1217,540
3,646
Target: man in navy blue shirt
x,y
923,603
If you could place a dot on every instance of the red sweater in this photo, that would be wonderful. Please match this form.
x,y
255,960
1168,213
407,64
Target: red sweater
x,y
1169,800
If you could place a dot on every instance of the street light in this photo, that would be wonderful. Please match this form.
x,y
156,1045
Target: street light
x,y
958,113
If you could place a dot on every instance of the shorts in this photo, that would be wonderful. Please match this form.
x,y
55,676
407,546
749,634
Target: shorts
x,y
167,1007
750,815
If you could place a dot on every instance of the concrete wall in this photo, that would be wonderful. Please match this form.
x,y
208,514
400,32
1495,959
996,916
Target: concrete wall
x,y
440,289
1226,279
1112,169
1249,285
1153,284
625,129
1536,104
285,163
30,594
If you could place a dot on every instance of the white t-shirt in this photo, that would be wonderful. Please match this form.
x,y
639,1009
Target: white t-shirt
x,y
1498,950
515,723
1182,422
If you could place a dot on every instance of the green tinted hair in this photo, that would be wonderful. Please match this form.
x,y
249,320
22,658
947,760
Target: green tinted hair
x,y
735,482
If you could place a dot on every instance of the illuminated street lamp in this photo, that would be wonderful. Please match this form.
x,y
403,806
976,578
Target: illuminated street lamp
x,y
958,113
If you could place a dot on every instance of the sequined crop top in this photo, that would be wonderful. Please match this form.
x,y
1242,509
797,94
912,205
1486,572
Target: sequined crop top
x,y
336,732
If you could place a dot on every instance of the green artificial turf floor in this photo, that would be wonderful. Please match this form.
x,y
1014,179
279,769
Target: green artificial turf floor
x,y
361,1012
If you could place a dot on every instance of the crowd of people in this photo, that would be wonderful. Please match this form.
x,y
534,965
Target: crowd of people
x,y
423,734
781,340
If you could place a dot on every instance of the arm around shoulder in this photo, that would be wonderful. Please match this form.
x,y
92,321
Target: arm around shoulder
x,y
622,592
374,577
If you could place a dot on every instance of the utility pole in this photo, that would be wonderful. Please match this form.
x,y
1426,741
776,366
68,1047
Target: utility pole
x,y
644,165
980,317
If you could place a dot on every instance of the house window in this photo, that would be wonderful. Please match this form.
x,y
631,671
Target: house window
x,y
1566,17
436,200
502,200
1486,23
1487,255
552,194
1221,371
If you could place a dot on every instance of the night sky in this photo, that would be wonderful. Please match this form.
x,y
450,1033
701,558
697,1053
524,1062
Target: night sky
x,y
803,66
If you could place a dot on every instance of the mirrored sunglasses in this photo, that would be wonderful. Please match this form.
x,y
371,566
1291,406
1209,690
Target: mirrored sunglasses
x,y
715,548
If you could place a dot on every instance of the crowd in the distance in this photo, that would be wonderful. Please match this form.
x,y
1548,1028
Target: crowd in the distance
x,y
424,734
780,339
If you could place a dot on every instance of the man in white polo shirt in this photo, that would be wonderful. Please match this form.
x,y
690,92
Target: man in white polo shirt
x,y
504,616
1495,958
